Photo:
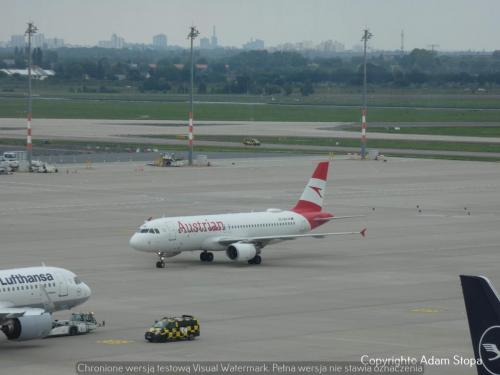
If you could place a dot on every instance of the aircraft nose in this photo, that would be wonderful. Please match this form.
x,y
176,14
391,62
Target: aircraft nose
x,y
86,291
137,242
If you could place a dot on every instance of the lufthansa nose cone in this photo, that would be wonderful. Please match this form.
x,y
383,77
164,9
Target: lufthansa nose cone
x,y
86,291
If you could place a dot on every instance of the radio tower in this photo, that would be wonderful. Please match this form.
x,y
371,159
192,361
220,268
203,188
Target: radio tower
x,y
29,147
366,36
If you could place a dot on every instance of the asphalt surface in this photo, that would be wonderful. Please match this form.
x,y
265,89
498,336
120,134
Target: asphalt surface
x,y
146,132
396,292
125,130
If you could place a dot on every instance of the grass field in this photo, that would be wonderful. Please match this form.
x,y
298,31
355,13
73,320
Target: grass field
x,y
436,97
105,109
92,147
354,142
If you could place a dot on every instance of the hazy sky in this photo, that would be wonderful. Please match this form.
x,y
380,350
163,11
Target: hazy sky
x,y
453,24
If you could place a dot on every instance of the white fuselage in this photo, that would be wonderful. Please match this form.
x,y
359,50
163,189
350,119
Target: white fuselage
x,y
38,287
188,233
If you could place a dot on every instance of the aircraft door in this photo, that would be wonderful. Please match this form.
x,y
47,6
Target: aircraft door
x,y
63,288
172,232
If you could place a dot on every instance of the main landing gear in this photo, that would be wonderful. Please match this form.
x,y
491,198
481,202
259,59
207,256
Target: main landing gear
x,y
255,260
206,256
161,262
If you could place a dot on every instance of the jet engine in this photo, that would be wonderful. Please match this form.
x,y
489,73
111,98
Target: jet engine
x,y
241,251
27,327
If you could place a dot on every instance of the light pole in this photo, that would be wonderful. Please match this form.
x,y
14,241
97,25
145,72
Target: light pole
x,y
29,31
366,35
193,33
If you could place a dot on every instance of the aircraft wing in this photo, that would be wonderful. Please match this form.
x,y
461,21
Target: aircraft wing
x,y
229,241
7,312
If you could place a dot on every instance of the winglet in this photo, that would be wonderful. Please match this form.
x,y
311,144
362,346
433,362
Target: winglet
x,y
363,232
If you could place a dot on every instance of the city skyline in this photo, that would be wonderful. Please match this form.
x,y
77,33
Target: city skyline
x,y
453,25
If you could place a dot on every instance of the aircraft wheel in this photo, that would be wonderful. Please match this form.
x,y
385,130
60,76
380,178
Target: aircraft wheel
x,y
210,257
256,260
203,256
160,264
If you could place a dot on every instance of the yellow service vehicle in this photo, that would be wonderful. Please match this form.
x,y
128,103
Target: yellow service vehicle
x,y
185,327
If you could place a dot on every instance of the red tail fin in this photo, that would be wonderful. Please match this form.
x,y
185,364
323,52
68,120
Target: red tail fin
x,y
311,199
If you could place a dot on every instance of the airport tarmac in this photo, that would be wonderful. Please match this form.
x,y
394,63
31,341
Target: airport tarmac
x,y
396,292
146,130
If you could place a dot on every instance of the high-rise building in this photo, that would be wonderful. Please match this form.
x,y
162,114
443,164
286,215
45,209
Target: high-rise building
x,y
205,43
115,42
17,41
213,41
53,43
160,41
257,44
38,41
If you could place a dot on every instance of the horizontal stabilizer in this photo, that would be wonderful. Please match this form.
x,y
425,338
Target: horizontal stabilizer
x,y
325,219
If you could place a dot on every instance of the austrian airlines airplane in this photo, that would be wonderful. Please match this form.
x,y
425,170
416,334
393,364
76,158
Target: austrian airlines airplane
x,y
241,235
29,295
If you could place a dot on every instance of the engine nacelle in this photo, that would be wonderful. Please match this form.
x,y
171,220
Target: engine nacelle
x,y
27,327
241,251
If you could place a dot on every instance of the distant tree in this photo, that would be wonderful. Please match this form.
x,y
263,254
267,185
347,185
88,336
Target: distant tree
x,y
202,88
307,89
288,88
19,61
422,59
37,57
272,89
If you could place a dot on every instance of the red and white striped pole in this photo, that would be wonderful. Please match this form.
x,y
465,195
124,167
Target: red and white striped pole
x,y
363,134
30,31
190,138
29,146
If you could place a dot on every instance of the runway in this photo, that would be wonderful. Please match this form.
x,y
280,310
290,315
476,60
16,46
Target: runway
x,y
396,292
127,130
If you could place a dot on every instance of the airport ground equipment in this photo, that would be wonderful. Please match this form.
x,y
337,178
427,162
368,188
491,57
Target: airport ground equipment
x,y
167,160
185,327
42,167
251,142
78,324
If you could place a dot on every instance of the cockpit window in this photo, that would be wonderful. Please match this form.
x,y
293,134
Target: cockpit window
x,y
152,231
77,280
145,230
157,230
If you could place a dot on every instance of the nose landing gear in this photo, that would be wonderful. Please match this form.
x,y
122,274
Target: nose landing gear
x,y
161,262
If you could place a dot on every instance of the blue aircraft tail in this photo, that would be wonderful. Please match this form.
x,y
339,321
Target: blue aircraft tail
x,y
483,312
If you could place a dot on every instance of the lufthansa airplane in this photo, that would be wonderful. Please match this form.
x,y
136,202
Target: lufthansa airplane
x,y
29,295
482,305
241,235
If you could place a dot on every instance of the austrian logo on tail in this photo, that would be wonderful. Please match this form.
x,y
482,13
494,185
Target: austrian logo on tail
x,y
317,190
